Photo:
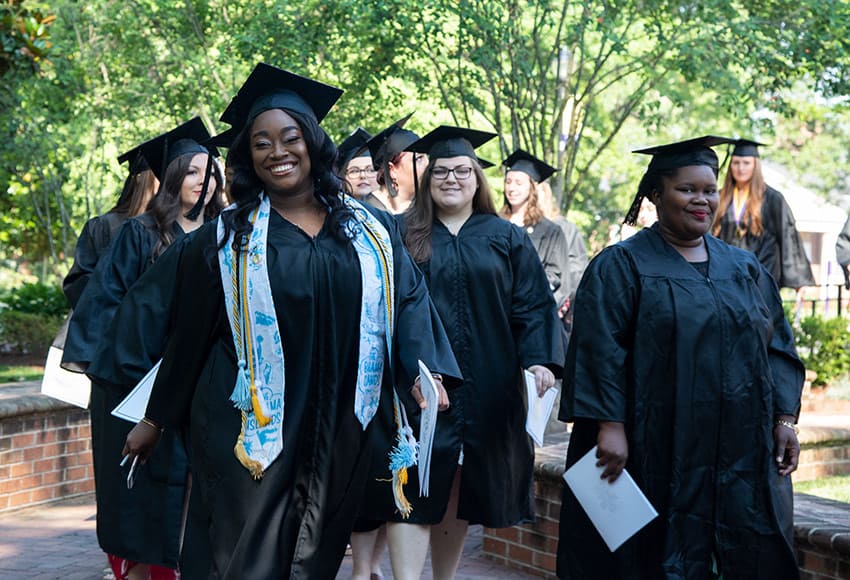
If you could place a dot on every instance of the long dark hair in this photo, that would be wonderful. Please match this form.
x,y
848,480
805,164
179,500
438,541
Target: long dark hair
x,y
245,185
166,206
419,218
134,197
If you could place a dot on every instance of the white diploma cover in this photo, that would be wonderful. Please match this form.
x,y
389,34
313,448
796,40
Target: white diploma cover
x,y
67,386
618,510
427,426
539,408
134,405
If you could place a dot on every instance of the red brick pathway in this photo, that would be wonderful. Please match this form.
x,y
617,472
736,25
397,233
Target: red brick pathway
x,y
58,540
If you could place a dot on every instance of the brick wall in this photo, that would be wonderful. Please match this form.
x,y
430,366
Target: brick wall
x,y
45,452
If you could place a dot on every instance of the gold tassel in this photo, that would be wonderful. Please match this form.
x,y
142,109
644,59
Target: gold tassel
x,y
255,467
262,420
399,481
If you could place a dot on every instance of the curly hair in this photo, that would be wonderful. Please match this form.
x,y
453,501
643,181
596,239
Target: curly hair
x,y
246,186
166,206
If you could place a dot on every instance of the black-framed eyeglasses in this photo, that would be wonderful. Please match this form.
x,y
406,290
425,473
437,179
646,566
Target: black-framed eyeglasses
x,y
460,173
358,171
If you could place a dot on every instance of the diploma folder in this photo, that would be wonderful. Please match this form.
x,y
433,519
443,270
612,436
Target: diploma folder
x,y
134,405
618,510
539,408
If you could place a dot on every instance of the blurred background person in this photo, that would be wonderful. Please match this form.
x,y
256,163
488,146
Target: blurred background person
x,y
753,216
354,165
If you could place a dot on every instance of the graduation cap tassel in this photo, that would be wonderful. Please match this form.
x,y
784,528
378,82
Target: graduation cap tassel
x,y
199,205
254,467
241,396
404,455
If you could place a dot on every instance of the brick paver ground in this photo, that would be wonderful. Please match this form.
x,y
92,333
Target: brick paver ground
x,y
58,541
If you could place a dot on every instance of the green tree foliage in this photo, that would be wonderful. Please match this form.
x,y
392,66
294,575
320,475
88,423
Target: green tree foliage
x,y
577,83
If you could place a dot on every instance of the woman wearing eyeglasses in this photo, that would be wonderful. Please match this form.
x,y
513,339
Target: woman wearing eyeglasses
x,y
493,298
354,165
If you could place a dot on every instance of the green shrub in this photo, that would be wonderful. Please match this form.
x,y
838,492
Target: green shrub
x,y
36,298
824,346
27,333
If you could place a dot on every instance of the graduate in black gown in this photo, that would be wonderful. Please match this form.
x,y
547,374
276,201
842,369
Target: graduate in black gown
x,y
354,165
754,216
140,528
682,369
398,170
492,295
524,174
283,344
98,232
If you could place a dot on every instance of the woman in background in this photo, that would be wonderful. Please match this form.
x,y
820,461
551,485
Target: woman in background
x,y
140,528
398,170
754,216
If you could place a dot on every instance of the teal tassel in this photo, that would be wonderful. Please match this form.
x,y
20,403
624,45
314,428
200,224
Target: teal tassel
x,y
241,396
406,452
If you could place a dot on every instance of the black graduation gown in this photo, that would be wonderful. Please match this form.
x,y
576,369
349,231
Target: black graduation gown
x,y
576,256
697,368
779,248
551,245
142,524
842,251
296,520
491,292
94,240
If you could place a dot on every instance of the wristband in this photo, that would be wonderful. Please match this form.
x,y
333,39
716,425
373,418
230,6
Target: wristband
x,y
788,424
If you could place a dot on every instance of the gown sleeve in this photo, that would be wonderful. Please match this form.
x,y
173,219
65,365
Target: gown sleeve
x,y
576,257
554,257
197,311
135,339
795,269
786,368
91,245
419,333
119,269
842,251
596,374
537,331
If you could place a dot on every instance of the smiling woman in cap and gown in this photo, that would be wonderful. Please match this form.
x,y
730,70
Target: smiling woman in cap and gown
x,y
354,165
297,311
682,369
141,526
523,175
755,217
492,295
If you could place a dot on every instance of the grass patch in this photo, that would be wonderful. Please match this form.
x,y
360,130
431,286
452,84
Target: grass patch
x,y
16,373
836,487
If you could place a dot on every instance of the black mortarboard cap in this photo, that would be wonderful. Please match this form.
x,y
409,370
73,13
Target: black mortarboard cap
x,y
137,161
746,148
684,153
673,156
269,87
390,142
485,164
182,140
536,169
355,145
447,141
224,139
